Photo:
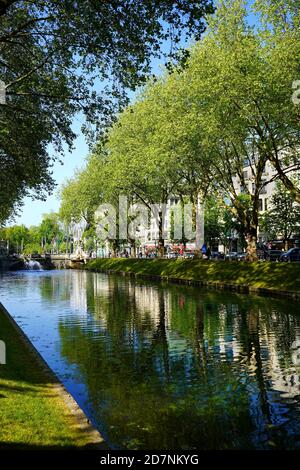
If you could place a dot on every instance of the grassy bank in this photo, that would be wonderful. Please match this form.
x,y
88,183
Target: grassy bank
x,y
271,277
33,413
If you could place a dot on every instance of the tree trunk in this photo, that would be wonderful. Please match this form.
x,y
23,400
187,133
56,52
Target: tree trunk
x,y
251,239
199,222
133,248
161,241
114,248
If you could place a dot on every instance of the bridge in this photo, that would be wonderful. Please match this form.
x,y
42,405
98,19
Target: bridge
x,y
62,261
47,262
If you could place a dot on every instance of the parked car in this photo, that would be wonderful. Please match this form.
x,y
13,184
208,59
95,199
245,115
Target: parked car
x,y
274,255
262,251
172,255
189,255
231,255
217,255
241,256
292,255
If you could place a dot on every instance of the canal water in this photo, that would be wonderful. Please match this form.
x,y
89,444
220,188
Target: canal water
x,y
159,366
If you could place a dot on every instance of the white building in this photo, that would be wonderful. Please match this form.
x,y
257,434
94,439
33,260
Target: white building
x,y
148,237
266,192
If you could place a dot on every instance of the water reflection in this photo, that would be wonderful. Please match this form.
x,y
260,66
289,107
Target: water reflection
x,y
168,367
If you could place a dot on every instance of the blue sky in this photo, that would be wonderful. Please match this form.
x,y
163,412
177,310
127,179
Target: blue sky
x,y
32,211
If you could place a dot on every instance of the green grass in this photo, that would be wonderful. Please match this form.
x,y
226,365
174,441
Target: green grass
x,y
260,275
32,413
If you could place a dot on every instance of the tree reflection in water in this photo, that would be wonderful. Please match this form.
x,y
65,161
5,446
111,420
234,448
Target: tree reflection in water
x,y
170,367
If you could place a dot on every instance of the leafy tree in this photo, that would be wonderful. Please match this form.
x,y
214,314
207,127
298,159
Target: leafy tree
x,y
17,236
138,164
277,115
33,249
214,220
81,196
35,239
49,230
221,222
53,56
34,234
283,217
237,97
69,196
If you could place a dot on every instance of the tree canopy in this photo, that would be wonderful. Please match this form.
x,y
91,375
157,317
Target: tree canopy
x,y
35,239
62,58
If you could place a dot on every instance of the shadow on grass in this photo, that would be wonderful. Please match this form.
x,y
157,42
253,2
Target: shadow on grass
x,y
24,388
27,393
21,446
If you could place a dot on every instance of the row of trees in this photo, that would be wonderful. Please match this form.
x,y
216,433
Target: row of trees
x,y
48,236
192,132
54,236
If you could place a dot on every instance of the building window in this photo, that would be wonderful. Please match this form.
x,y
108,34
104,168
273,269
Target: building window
x,y
266,204
264,188
260,205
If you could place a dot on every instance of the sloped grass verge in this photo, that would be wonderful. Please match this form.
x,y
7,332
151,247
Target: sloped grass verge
x,y
33,413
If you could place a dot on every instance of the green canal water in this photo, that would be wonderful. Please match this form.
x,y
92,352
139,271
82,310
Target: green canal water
x,y
158,366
